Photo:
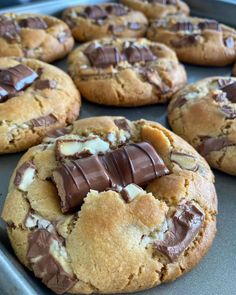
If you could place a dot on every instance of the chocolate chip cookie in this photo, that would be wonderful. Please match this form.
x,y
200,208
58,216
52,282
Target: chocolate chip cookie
x,y
126,72
97,21
34,98
34,36
204,114
120,206
196,40
158,8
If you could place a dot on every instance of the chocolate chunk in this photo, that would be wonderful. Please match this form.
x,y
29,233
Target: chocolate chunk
x,y
135,54
25,175
223,82
184,161
154,78
3,94
44,264
58,132
122,124
135,163
8,29
116,9
163,2
95,12
210,144
44,121
183,26
33,23
179,102
185,41
229,42
134,26
64,36
18,77
116,29
219,97
186,223
229,112
230,91
45,84
209,25
104,56
130,192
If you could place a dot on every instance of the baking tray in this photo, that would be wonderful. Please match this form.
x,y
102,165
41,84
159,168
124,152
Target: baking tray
x,y
216,274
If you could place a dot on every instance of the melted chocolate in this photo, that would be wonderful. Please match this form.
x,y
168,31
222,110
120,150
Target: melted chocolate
x,y
44,264
186,223
95,12
135,163
230,91
33,23
117,9
210,144
135,54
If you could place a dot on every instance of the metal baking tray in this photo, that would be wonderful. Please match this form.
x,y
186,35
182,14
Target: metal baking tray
x,y
216,274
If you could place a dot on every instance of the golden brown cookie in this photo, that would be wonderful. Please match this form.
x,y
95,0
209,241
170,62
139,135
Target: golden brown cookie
x,y
158,8
34,36
111,19
126,72
196,40
139,207
34,98
204,114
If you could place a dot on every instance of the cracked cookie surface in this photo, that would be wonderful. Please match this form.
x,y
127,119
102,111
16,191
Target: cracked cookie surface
x,y
195,40
31,108
111,243
204,114
34,36
126,72
158,8
94,22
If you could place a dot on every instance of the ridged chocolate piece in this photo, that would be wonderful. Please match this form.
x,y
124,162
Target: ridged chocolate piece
x,y
135,163
33,23
230,91
210,144
183,26
95,12
186,223
44,264
116,9
8,28
15,79
44,121
103,56
209,25
137,54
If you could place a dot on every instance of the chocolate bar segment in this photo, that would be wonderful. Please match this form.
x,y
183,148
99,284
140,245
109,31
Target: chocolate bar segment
x,y
230,91
116,9
135,163
8,28
44,121
135,54
95,12
33,23
210,144
185,225
209,25
25,175
104,56
183,26
45,84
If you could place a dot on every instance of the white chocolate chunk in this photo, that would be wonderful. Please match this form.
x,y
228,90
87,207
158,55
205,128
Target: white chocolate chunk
x,y
35,220
25,175
184,161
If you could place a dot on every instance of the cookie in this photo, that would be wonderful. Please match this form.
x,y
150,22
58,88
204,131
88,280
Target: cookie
x,y
120,206
111,19
126,72
196,40
204,114
158,8
34,98
36,36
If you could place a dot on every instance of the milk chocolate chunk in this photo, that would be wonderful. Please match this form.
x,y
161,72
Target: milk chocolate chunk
x,y
122,124
104,56
210,144
185,41
8,28
209,25
183,26
135,54
41,247
58,132
95,12
135,163
116,9
25,175
44,121
17,77
230,91
185,225
45,84
33,23
229,112
179,102
229,42
154,78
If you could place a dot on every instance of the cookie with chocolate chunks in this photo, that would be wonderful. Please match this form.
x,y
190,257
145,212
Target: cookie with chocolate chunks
x,y
158,8
98,21
36,36
204,114
126,72
196,41
35,98
108,187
